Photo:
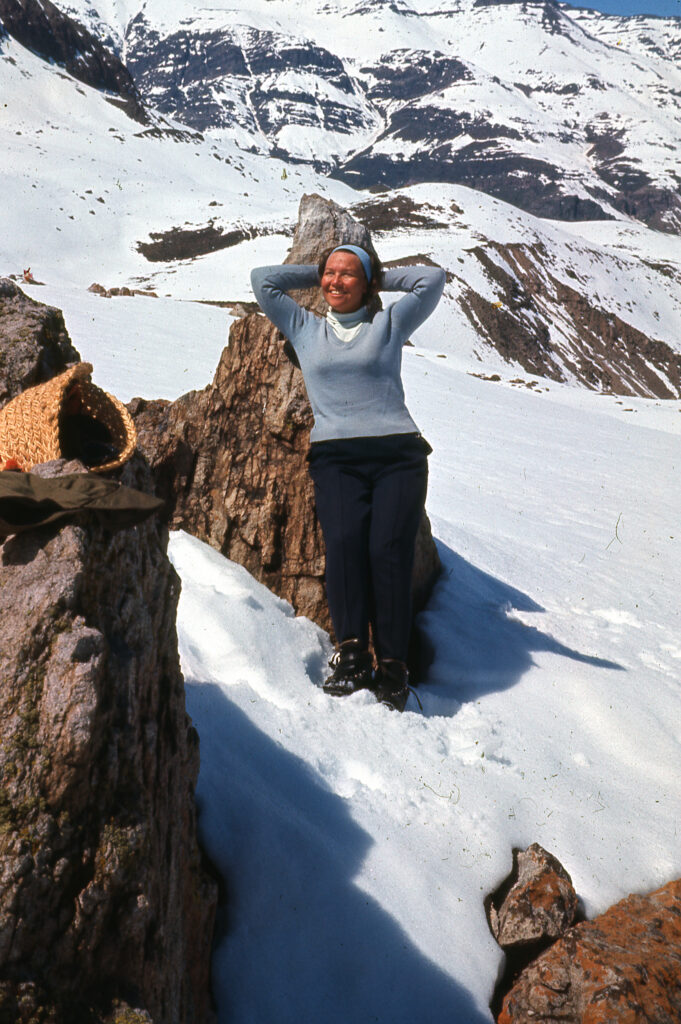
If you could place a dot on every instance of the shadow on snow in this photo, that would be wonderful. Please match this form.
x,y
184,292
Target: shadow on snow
x,y
471,645
300,942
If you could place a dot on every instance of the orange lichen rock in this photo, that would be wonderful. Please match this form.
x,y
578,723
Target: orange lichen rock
x,y
624,967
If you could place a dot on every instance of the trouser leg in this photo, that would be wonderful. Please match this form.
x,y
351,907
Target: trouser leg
x,y
398,500
343,498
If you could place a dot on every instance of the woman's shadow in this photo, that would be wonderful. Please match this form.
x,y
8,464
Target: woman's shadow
x,y
469,643
298,941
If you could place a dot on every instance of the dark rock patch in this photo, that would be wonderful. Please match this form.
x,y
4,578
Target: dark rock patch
x,y
187,243
406,75
34,343
532,185
109,293
599,349
391,212
52,35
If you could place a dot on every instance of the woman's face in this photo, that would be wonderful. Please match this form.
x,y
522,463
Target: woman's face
x,y
344,283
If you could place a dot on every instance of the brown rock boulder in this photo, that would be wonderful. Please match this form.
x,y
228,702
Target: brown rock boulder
x,y
104,900
624,967
34,343
541,903
231,460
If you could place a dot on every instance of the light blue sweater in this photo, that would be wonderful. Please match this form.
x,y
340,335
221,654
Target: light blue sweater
x,y
354,387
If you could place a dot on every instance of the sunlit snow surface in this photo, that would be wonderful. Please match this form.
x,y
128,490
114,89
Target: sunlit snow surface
x,y
358,844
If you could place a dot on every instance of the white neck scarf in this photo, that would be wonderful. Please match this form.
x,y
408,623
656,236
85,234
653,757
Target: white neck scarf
x,y
347,326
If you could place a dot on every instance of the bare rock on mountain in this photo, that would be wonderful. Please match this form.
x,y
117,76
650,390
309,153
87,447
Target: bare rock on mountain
x,y
552,330
231,460
54,36
541,902
624,966
34,343
105,905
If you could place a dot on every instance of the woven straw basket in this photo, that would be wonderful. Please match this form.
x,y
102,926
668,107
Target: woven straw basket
x,y
31,424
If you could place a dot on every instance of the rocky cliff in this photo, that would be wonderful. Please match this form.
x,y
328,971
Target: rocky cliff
x,y
565,116
544,323
51,34
103,896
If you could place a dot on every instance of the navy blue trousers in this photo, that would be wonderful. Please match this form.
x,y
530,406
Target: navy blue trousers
x,y
370,494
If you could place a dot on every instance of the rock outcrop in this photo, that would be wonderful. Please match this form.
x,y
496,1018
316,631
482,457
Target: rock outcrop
x,y
551,329
532,907
106,908
624,967
540,904
110,293
54,36
231,460
34,342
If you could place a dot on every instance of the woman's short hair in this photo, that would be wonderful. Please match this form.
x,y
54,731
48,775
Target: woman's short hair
x,y
372,299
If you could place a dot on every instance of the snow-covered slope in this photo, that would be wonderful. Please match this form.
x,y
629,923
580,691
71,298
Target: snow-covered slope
x,y
359,844
84,181
91,195
565,113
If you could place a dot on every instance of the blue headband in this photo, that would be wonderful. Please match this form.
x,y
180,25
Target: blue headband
x,y
361,254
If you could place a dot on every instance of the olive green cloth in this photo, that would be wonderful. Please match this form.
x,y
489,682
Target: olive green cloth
x,y
28,501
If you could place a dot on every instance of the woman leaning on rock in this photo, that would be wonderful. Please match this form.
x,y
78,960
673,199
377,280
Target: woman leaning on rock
x,y
367,459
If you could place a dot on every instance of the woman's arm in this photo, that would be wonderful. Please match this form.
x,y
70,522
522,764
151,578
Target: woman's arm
x,y
423,285
270,285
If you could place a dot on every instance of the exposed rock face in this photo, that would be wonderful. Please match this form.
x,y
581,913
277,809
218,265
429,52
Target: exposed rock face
x,y
595,347
104,901
232,459
187,243
625,966
110,293
42,28
416,113
486,163
540,904
253,79
34,343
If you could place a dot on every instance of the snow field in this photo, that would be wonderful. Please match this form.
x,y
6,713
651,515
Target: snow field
x,y
70,148
357,844
549,714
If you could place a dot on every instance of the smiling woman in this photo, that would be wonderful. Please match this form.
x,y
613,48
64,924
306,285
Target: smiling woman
x,y
367,459
344,281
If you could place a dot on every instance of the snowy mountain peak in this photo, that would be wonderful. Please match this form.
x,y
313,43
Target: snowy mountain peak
x,y
566,113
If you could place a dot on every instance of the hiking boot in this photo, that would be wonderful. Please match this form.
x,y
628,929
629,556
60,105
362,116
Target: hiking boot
x,y
391,685
351,666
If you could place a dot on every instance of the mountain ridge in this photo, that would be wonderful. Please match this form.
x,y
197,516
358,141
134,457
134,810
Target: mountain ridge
x,y
528,102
